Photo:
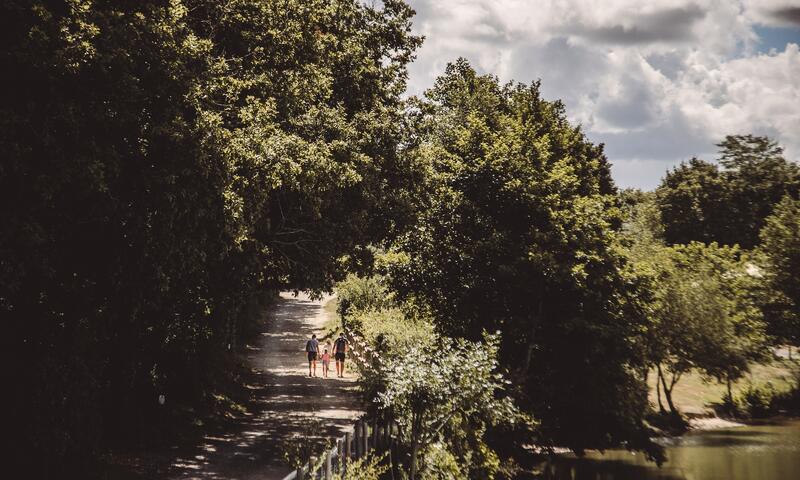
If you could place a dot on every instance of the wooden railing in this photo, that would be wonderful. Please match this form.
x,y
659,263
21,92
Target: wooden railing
x,y
363,437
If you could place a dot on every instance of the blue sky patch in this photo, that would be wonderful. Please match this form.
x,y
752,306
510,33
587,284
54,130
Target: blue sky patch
x,y
776,37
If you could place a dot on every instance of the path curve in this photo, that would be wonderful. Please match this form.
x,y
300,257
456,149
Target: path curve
x,y
286,402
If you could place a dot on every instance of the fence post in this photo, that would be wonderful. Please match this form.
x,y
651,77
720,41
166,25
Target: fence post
x,y
301,473
359,445
365,436
375,433
328,471
347,451
311,462
339,456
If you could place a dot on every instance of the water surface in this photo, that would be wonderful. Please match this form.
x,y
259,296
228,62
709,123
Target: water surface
x,y
761,452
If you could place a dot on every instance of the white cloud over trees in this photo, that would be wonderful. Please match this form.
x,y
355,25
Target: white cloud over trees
x,y
658,82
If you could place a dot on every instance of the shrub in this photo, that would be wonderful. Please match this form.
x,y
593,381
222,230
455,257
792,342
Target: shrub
x,y
757,401
370,467
391,332
360,294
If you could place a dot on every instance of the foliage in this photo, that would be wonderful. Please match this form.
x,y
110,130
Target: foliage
x,y
443,396
780,246
392,332
357,294
368,467
642,225
304,444
162,162
703,314
700,202
758,400
517,234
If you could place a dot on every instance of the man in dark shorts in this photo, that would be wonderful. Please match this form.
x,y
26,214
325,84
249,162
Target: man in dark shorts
x,y
339,349
312,347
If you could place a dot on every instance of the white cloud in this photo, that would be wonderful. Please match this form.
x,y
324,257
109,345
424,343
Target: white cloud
x,y
657,82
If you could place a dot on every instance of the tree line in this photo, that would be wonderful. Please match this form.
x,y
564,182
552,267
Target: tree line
x,y
167,163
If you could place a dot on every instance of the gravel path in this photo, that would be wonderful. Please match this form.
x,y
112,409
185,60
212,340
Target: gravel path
x,y
287,402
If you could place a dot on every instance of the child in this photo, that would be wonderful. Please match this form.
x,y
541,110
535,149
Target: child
x,y
326,360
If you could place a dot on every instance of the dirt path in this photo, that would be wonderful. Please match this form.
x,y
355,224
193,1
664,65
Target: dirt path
x,y
286,399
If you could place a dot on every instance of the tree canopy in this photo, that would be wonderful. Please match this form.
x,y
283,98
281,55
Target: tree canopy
x,y
516,234
162,163
780,245
701,202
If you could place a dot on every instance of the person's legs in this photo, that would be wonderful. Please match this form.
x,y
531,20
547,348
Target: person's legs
x,y
340,364
314,364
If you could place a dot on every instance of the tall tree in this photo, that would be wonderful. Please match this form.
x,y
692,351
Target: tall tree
x,y
758,177
517,235
700,202
780,244
704,315
692,200
162,162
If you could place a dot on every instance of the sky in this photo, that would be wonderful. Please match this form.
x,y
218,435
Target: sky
x,y
656,81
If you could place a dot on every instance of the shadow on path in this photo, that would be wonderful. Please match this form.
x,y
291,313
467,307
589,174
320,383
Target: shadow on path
x,y
285,401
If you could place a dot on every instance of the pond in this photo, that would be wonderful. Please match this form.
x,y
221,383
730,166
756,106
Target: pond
x,y
761,452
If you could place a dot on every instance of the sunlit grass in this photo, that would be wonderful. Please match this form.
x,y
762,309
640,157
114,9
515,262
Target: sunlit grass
x,y
695,395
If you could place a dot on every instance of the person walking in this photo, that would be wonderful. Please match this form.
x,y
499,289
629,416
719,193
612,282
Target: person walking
x,y
312,347
339,350
326,361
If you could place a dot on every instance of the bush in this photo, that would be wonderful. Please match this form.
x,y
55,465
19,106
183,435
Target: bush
x,y
361,294
371,467
757,401
789,401
391,332
306,443
444,395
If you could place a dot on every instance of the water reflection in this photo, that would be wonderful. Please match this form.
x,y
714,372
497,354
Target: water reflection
x,y
764,452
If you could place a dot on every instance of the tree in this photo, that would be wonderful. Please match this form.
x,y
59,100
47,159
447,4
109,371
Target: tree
x,y
700,202
447,392
641,225
704,314
692,199
780,246
517,235
164,162
759,176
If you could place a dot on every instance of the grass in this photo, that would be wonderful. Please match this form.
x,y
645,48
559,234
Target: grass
x,y
694,395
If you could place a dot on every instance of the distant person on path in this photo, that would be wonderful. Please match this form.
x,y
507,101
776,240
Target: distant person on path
x,y
339,349
312,347
326,361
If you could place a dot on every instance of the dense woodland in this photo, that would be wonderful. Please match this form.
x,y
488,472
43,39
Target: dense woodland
x,y
167,165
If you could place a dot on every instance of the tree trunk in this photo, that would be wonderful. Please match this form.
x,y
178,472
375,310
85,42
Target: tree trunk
x,y
667,391
415,432
658,391
730,391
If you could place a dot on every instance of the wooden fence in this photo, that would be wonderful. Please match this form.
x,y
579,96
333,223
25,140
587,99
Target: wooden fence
x,y
366,434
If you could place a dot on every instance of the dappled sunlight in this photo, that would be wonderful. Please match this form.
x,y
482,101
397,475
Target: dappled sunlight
x,y
284,401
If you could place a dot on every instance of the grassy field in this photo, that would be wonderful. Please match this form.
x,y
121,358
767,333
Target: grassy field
x,y
694,395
